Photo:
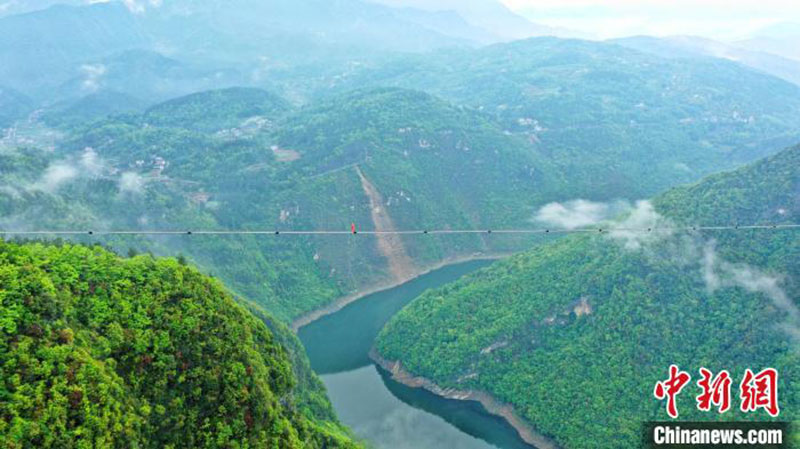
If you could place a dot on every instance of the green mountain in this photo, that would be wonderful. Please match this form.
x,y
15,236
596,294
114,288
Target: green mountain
x,y
13,106
100,351
52,47
47,47
247,29
492,16
216,110
385,158
575,334
92,107
780,38
13,8
697,47
147,75
609,116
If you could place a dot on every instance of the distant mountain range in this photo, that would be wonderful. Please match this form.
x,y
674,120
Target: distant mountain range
x,y
690,46
153,52
781,39
316,115
530,121
489,15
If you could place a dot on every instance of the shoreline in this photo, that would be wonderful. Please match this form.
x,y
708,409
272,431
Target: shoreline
x,y
344,301
493,406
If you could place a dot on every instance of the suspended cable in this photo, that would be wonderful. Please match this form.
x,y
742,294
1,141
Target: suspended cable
x,y
353,231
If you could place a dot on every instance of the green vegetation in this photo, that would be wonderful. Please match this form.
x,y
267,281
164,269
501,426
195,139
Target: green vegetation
x,y
297,172
100,351
216,110
616,122
245,159
576,333
13,106
93,107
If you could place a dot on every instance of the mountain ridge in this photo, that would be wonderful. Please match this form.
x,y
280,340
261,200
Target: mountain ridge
x,y
557,320
107,351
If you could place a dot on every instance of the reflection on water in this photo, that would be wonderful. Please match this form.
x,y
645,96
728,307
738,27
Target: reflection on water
x,y
341,342
388,414
369,408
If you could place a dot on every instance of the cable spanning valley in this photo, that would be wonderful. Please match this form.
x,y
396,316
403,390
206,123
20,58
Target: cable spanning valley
x,y
772,227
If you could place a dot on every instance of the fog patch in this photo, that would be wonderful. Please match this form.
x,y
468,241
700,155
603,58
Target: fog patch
x,y
642,229
92,76
10,191
140,6
131,182
578,213
91,162
682,167
88,165
55,176
639,225
643,225
719,273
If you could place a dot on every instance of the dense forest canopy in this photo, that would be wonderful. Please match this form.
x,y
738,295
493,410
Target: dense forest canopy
x,y
244,158
576,333
100,351
315,115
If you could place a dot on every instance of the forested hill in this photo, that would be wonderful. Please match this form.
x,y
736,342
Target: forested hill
x,y
218,109
560,119
242,159
576,333
615,119
245,159
100,351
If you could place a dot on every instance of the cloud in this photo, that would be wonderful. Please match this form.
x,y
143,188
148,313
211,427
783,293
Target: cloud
x,y
642,228
60,173
718,274
131,182
578,213
6,6
721,19
631,231
88,165
643,225
140,6
56,175
93,74
639,224
10,191
91,162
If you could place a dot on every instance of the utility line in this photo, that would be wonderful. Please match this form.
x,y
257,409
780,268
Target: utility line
x,y
599,229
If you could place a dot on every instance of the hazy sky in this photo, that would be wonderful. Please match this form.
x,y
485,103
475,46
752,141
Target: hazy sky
x,y
721,19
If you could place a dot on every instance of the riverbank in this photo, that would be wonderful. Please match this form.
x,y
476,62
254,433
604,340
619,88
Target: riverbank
x,y
489,402
344,301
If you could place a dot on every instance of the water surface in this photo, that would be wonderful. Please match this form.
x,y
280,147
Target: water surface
x,y
388,414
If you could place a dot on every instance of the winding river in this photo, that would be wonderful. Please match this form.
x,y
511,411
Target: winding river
x,y
388,414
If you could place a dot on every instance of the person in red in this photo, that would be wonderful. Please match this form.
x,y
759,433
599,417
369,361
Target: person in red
x,y
353,228
760,391
671,387
715,392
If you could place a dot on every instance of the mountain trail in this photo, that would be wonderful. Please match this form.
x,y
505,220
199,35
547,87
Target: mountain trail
x,y
390,246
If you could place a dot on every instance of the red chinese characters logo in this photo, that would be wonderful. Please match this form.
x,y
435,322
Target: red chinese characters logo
x,y
760,391
716,391
757,391
671,387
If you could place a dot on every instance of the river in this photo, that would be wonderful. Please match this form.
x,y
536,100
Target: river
x,y
388,414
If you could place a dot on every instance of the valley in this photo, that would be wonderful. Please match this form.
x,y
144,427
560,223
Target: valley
x,y
207,206
339,347
549,320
